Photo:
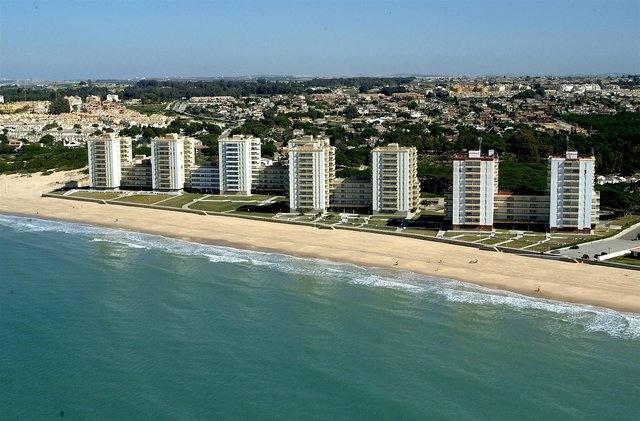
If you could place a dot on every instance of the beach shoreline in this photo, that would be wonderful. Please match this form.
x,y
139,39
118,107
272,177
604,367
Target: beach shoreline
x,y
599,286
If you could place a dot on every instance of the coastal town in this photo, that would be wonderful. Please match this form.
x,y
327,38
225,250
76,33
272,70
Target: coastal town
x,y
494,162
300,210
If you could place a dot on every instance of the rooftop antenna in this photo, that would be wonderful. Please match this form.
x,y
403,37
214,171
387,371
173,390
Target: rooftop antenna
x,y
480,143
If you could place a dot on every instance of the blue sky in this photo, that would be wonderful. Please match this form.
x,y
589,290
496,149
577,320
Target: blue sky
x,y
119,39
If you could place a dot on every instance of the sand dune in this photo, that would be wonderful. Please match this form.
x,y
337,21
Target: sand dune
x,y
601,286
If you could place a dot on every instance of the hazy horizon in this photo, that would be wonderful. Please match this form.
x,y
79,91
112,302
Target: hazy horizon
x,y
79,40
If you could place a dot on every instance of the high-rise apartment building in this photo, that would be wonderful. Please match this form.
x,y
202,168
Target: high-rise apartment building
x,y
573,204
475,184
239,162
172,158
167,163
312,167
396,189
107,154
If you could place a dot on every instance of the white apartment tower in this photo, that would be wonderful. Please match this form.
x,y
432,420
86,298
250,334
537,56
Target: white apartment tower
x,y
239,162
168,163
312,167
105,161
396,189
475,184
571,193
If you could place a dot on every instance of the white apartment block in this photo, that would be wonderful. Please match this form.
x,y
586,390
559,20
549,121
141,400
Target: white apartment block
x,y
104,162
204,178
312,167
573,203
475,184
167,163
137,174
351,193
396,189
239,162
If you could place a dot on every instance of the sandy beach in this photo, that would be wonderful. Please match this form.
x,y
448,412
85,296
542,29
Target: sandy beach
x,y
617,289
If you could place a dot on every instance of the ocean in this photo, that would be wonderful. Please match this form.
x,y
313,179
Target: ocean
x,y
99,323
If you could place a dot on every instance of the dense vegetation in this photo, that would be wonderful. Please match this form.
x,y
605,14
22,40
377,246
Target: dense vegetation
x,y
169,90
34,158
620,197
615,140
523,178
59,105
41,93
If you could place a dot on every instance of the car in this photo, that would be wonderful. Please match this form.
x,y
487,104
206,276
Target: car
x,y
574,247
585,256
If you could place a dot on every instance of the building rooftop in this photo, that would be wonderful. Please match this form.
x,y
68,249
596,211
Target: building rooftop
x,y
476,155
572,155
393,147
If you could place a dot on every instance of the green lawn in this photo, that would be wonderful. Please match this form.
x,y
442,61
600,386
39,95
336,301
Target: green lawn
x,y
495,240
149,108
215,206
425,232
559,241
535,237
540,247
242,198
146,199
627,221
106,195
626,260
375,222
183,199
519,243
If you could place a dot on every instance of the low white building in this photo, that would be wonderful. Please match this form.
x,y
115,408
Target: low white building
x,y
204,178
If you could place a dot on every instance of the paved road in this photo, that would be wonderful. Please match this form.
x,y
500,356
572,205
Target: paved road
x,y
611,245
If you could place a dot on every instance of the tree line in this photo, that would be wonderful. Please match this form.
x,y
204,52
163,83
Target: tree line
x,y
152,90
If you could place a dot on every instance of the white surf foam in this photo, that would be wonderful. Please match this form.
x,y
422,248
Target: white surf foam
x,y
595,319
124,243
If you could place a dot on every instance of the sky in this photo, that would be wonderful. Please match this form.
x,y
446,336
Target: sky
x,y
62,40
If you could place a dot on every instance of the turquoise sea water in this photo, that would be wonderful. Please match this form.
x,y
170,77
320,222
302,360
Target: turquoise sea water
x,y
107,324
